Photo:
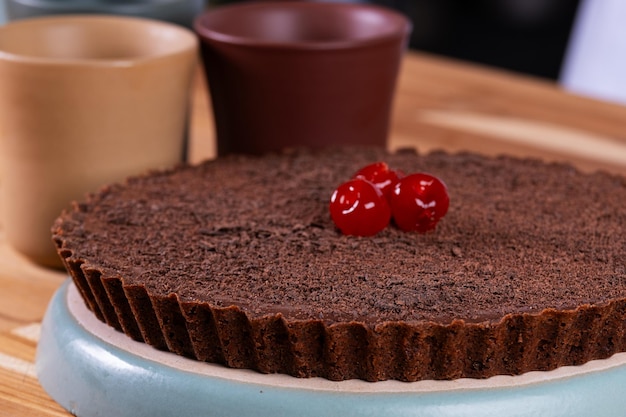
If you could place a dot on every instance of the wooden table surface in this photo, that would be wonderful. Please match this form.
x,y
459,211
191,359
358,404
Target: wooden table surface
x,y
439,104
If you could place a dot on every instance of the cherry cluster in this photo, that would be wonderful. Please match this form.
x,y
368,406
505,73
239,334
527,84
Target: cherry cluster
x,y
376,194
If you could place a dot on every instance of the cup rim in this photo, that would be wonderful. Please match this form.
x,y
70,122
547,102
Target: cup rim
x,y
65,5
402,26
188,39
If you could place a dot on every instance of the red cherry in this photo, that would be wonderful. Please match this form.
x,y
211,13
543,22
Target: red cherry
x,y
359,208
380,175
418,202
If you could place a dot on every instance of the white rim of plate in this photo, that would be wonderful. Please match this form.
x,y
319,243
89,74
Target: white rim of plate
x,y
109,335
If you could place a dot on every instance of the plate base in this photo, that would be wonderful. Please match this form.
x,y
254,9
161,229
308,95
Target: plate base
x,y
93,370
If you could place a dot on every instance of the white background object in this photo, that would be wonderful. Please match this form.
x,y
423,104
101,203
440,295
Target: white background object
x,y
595,60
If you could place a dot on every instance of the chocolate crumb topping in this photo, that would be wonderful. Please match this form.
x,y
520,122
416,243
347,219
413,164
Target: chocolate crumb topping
x,y
172,257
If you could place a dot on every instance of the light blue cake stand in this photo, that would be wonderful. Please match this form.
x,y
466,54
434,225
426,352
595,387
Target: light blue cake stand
x,y
93,370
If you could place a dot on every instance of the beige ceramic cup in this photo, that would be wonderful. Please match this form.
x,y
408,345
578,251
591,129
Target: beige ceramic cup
x,y
84,101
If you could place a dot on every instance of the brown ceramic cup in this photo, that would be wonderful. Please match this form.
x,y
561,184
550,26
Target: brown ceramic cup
x,y
85,100
292,74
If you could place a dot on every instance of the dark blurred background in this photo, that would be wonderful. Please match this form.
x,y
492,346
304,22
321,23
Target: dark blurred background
x,y
527,36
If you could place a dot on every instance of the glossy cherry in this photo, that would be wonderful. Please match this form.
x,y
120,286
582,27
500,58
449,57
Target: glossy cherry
x,y
418,202
380,175
359,208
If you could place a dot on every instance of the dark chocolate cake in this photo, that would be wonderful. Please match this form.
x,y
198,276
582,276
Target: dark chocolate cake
x,y
237,262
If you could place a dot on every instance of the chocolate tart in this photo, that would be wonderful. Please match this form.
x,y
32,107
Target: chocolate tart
x,y
236,261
